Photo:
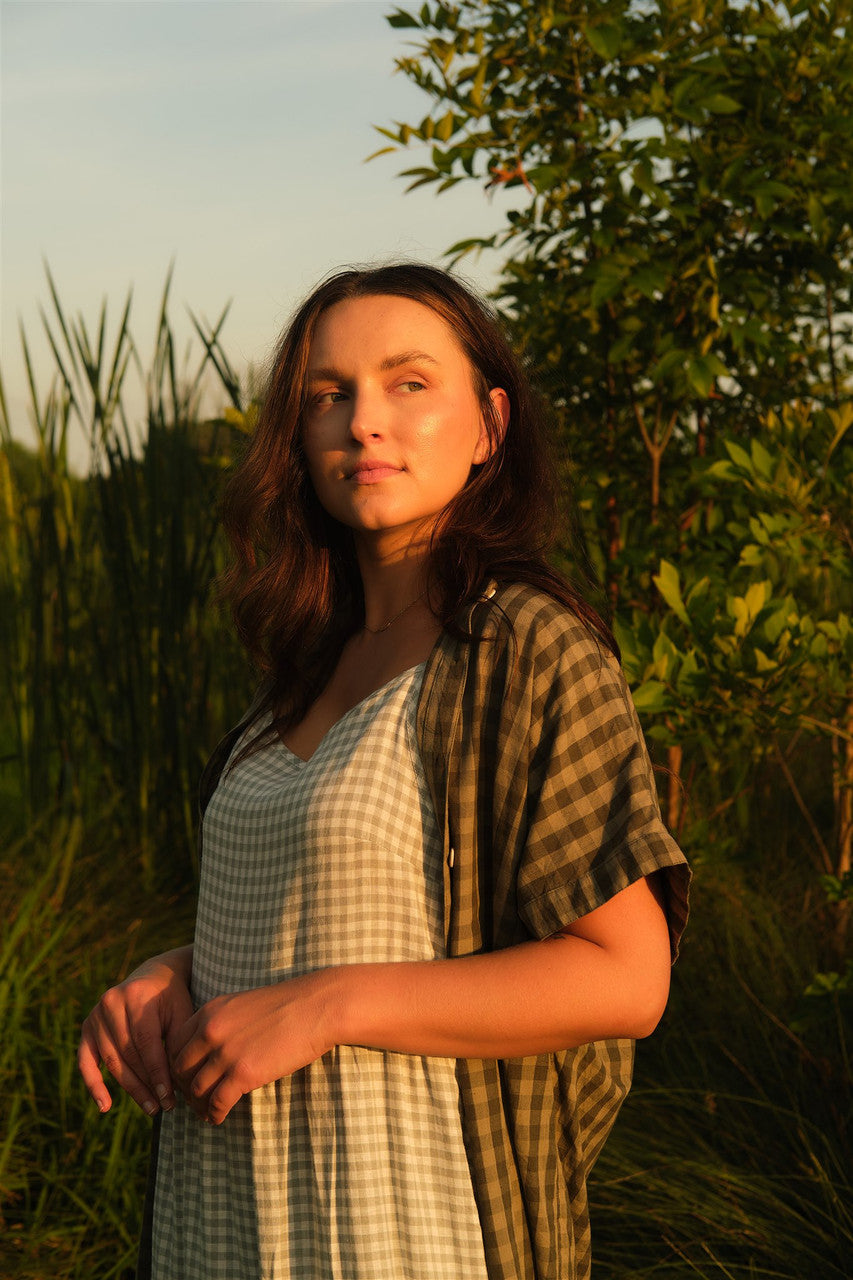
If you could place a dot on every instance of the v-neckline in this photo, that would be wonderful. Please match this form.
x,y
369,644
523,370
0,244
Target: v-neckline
x,y
302,760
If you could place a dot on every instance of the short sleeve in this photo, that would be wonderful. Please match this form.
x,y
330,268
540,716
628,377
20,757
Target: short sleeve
x,y
593,824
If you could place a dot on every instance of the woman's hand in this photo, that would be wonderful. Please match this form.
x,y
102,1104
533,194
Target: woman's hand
x,y
236,1043
126,1029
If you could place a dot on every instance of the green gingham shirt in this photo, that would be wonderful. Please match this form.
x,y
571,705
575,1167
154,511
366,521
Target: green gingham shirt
x,y
538,766
544,793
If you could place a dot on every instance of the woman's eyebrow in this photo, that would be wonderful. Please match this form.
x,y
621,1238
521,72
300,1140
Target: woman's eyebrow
x,y
407,357
328,373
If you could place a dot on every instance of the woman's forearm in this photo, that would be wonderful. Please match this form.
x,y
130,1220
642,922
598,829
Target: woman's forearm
x,y
181,960
533,998
606,976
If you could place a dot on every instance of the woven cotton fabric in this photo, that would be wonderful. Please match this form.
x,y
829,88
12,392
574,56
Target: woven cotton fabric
x,y
543,786
353,1168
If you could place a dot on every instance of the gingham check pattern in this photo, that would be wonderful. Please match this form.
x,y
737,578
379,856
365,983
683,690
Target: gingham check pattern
x,y
542,786
542,782
355,1167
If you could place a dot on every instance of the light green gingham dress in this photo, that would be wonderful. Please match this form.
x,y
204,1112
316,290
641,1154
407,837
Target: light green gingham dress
x,y
353,1168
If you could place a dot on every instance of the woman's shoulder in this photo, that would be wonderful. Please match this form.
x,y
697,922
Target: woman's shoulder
x,y
533,618
528,639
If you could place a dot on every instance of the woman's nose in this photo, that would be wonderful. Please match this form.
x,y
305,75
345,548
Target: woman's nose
x,y
365,421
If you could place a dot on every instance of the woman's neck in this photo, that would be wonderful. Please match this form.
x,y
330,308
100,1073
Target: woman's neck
x,y
394,586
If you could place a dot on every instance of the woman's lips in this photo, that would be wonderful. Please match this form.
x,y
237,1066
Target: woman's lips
x,y
370,472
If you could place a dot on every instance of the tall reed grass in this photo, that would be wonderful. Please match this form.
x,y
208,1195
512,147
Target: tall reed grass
x,y
117,677
118,672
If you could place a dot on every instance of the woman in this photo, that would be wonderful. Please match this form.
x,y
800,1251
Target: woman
x,y
437,901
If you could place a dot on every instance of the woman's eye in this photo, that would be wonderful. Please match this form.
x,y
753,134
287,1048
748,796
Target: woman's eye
x,y
329,397
412,384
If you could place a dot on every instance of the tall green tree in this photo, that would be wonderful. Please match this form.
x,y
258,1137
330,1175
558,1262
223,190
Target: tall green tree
x,y
689,174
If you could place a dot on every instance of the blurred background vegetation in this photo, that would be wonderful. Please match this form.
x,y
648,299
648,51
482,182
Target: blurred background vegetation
x,y
679,282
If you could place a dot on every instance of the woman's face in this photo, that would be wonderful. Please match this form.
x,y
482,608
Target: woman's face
x,y
393,424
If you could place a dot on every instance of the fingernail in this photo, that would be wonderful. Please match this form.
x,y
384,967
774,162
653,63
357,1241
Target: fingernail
x,y
162,1091
103,1107
150,1108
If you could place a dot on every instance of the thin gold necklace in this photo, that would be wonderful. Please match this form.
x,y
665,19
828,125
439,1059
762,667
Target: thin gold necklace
x,y
375,631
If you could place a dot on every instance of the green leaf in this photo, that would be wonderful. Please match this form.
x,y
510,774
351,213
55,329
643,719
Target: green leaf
x,y
666,656
773,188
831,983
763,663
669,585
443,160
757,595
745,609
400,19
720,104
650,697
446,127
841,419
839,889
767,195
429,175
751,556
622,348
606,39
698,590
626,638
817,216
478,85
684,91
702,371
762,459
605,288
672,359
650,281
607,281
474,245
687,673
738,455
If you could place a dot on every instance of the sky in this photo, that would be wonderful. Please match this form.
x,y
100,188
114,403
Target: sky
x,y
228,136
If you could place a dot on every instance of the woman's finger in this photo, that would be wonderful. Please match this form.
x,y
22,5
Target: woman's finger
x,y
99,1049
201,1083
88,1058
137,1027
225,1095
212,1093
150,1055
178,1037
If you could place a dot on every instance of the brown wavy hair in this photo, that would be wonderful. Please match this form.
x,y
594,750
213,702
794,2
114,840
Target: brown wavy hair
x,y
294,585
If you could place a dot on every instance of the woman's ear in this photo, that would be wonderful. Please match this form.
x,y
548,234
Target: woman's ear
x,y
500,400
500,404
